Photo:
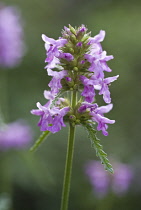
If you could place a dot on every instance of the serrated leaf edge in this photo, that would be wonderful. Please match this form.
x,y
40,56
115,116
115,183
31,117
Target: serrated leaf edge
x,y
99,148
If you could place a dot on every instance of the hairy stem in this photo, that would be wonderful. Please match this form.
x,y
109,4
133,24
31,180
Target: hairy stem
x,y
69,160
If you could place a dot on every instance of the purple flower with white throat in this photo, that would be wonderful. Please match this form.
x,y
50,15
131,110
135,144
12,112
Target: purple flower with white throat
x,y
11,37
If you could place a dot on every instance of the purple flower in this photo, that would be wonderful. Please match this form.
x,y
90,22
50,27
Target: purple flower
x,y
48,95
98,59
98,65
103,58
66,56
66,31
68,79
88,91
53,63
97,82
55,83
122,178
51,46
77,63
101,181
97,115
81,29
98,38
11,37
79,44
51,119
15,135
98,178
105,88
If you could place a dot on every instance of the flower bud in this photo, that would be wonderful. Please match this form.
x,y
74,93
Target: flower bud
x,y
75,69
73,38
72,29
72,118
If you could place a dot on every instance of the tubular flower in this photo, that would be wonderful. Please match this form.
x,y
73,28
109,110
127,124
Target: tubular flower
x,y
77,63
97,116
51,119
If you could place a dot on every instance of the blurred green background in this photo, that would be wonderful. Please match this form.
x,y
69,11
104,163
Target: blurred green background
x,y
34,181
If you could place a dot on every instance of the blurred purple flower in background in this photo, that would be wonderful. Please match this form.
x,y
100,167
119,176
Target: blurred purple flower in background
x,y
102,181
122,178
15,135
98,178
11,36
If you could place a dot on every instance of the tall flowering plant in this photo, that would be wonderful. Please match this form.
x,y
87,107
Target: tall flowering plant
x,y
77,63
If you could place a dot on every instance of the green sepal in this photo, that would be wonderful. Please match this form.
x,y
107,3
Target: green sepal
x,y
98,147
56,98
39,140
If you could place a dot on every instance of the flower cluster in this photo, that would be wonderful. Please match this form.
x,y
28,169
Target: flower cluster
x,y
11,36
76,63
15,135
102,182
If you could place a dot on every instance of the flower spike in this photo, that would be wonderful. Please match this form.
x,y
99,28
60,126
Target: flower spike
x,y
77,64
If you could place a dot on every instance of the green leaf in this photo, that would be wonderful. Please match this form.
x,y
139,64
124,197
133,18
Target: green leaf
x,y
39,140
99,148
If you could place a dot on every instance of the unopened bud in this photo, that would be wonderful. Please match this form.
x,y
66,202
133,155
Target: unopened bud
x,y
75,69
72,118
71,50
72,29
77,121
85,38
73,38
74,62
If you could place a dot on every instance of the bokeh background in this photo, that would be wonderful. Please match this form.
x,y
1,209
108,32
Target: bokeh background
x,y
34,181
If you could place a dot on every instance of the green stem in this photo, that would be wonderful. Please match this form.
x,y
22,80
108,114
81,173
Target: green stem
x,y
69,160
74,99
4,97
